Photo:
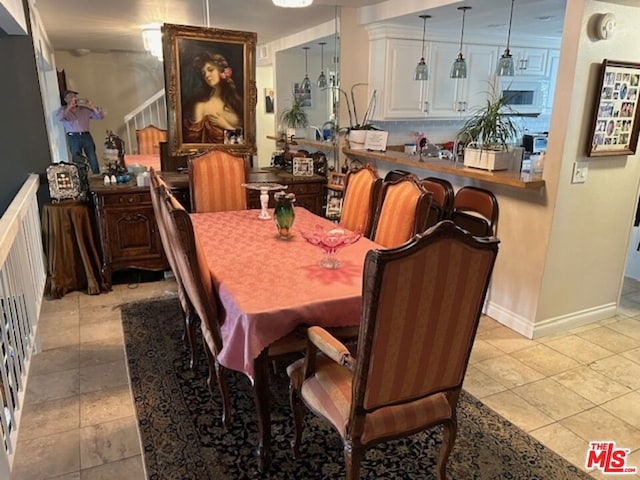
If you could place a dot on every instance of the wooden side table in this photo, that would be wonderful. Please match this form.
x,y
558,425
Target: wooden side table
x,y
73,261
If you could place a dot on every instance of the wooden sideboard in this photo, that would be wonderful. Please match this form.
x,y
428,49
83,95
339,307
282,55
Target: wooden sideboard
x,y
127,228
126,224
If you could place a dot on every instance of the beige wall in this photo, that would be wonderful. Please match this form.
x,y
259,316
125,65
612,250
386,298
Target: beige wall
x,y
117,81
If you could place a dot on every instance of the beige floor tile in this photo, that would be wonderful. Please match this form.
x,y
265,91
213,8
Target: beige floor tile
x,y
564,442
591,385
598,424
55,360
47,418
103,376
625,371
545,360
129,469
99,313
633,355
482,351
52,386
109,442
480,385
610,339
52,321
626,408
101,331
487,323
508,371
69,476
517,411
67,303
62,337
106,351
578,349
105,405
49,456
627,306
552,398
627,326
109,298
506,339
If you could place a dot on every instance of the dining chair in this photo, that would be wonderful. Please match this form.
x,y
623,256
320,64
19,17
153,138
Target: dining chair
x,y
394,175
158,186
215,182
149,139
402,211
361,190
421,305
442,199
476,210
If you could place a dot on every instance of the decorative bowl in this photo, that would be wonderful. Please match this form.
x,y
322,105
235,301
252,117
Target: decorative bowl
x,y
330,241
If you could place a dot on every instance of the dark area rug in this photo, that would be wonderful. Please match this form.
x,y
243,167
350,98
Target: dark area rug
x,y
183,437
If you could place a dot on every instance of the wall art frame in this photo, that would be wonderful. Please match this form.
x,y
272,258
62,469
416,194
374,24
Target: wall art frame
x,y
210,88
616,118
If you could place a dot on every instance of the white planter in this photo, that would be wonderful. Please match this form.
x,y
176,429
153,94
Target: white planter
x,y
356,139
488,159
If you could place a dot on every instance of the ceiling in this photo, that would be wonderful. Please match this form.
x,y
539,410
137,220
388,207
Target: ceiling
x,y
115,25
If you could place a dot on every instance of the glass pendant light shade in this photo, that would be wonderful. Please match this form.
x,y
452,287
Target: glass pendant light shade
x,y
292,3
322,78
459,67
505,64
306,83
421,71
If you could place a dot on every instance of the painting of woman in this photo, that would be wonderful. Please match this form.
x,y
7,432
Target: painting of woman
x,y
216,105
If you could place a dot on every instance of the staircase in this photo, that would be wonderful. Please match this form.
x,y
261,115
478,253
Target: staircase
x,y
151,112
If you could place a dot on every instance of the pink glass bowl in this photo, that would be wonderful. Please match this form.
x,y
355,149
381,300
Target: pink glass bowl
x,y
330,241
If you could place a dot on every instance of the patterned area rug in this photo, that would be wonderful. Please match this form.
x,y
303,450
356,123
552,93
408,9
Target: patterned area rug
x,y
183,437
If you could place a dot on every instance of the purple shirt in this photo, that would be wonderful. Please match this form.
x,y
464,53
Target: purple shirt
x,y
78,120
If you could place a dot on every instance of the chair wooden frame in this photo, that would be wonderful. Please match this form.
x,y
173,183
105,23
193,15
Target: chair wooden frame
x,y
443,195
428,400
372,202
422,206
149,139
476,209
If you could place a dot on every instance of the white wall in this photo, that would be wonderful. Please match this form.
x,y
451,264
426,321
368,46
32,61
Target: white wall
x,y
266,123
12,17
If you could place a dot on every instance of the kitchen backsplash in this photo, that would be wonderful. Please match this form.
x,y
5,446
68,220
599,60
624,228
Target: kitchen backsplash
x,y
441,131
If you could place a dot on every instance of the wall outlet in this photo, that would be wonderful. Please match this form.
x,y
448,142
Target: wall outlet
x,y
580,170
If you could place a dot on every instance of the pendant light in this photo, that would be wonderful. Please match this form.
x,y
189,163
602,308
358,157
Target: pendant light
x,y
292,3
422,72
322,78
505,64
459,67
306,83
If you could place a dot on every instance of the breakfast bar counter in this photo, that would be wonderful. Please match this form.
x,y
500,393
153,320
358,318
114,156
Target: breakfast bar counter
x,y
502,177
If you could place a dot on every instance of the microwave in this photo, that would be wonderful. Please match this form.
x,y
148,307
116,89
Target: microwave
x,y
526,96
534,143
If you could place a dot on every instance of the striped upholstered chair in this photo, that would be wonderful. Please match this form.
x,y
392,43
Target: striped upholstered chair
x,y
402,211
413,349
149,139
215,182
476,210
442,199
361,190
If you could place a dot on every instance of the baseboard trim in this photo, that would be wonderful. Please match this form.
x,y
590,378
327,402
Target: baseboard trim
x,y
552,325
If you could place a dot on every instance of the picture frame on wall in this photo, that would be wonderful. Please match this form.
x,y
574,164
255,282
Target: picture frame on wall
x,y
211,89
616,117
302,167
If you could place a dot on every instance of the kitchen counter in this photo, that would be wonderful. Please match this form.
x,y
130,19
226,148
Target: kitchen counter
x,y
502,177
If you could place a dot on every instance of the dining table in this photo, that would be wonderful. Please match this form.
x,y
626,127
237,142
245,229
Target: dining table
x,y
267,287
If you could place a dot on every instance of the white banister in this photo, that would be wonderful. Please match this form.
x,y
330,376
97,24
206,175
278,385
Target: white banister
x,y
152,111
22,281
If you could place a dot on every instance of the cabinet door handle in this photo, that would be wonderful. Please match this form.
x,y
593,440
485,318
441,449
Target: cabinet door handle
x,y
464,106
426,107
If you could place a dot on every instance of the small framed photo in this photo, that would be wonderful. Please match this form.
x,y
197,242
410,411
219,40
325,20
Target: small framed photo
x,y
336,181
616,121
334,206
302,167
64,182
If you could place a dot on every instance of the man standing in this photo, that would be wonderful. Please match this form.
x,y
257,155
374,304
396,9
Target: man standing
x,y
75,116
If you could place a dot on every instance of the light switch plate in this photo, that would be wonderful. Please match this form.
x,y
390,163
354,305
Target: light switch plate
x,y
580,170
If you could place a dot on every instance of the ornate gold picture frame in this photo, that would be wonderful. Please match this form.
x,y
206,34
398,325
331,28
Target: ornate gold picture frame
x,y
211,89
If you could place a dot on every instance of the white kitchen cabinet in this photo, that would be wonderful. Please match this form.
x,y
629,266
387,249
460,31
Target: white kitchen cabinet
x,y
529,61
450,97
391,65
552,74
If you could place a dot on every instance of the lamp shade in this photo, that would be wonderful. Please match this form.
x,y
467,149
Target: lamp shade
x,y
505,65
459,67
421,71
292,3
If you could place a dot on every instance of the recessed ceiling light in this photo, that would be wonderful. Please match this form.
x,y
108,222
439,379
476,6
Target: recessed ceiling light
x,y
544,18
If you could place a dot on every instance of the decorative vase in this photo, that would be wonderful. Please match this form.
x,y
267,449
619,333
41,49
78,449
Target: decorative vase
x,y
284,213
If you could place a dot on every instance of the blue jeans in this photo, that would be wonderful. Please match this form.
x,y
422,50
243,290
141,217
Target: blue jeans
x,y
84,144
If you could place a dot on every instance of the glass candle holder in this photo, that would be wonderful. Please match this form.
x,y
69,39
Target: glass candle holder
x,y
284,213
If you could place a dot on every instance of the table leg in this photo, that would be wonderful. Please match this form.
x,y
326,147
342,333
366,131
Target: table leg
x,y
262,399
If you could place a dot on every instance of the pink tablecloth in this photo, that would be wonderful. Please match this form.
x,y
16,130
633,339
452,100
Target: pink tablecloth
x,y
268,286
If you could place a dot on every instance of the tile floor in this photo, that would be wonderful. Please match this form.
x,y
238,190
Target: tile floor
x,y
565,390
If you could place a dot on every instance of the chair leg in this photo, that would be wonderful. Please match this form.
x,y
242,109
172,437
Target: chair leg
x,y
217,375
297,408
352,460
449,438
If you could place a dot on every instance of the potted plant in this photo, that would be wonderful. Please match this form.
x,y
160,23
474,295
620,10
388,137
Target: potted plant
x,y
356,131
487,135
294,117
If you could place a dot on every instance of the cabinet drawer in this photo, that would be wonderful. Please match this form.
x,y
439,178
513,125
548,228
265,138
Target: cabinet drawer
x,y
137,198
305,188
